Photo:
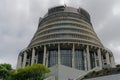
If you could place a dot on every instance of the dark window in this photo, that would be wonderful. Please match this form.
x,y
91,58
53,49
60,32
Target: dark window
x,y
79,59
40,56
92,59
53,58
66,57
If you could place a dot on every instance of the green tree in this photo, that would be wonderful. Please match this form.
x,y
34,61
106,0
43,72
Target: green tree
x,y
7,66
118,65
5,71
34,72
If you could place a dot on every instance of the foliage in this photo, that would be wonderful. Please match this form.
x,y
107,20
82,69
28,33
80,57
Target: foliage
x,y
34,72
11,73
118,65
5,71
103,72
7,66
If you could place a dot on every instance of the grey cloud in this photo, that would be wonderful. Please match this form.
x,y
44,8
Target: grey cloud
x,y
112,30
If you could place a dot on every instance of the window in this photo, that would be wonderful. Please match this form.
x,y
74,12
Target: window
x,y
79,59
92,59
40,56
66,57
52,58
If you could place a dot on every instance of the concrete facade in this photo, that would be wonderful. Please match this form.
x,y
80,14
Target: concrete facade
x,y
65,36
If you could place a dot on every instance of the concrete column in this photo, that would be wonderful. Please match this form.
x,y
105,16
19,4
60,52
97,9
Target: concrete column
x,y
44,55
24,59
19,63
36,58
73,56
112,62
47,55
85,60
59,60
88,57
33,56
100,58
107,58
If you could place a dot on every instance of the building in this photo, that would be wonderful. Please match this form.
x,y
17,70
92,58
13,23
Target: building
x,y
65,36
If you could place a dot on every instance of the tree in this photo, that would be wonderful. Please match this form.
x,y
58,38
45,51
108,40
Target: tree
x,y
118,65
7,66
34,72
5,71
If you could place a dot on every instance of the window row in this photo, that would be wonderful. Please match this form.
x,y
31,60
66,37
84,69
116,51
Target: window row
x,y
66,58
64,30
63,24
64,14
66,41
65,36
63,19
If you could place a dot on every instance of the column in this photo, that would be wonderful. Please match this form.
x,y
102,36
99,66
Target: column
x,y
100,58
88,57
44,55
24,59
107,58
47,55
112,62
36,58
33,56
73,56
59,61
19,65
85,60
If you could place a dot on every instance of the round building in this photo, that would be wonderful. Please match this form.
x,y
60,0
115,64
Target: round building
x,y
65,36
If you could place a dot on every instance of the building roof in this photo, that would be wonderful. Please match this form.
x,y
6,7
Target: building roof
x,y
68,9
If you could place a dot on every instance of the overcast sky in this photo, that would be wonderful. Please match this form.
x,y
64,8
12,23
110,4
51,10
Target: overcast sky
x,y
19,21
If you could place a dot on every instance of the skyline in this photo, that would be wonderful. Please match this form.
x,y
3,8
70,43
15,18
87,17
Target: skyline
x,y
19,22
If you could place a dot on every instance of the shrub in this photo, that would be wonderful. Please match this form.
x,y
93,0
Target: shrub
x,y
118,65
